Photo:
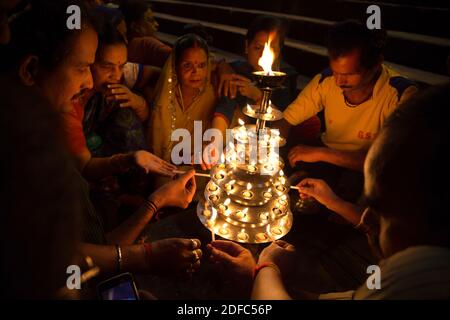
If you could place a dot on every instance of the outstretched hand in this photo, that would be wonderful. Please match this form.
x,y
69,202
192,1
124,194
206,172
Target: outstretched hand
x,y
304,153
176,193
153,164
317,189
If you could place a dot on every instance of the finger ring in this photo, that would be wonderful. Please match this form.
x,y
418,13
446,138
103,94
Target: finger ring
x,y
194,244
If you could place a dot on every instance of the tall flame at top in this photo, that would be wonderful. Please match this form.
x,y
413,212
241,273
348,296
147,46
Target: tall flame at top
x,y
268,56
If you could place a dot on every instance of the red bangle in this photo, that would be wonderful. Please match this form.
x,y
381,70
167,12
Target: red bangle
x,y
265,265
148,251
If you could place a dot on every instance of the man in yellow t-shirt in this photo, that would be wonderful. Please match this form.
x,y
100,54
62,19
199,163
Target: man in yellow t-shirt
x,y
357,93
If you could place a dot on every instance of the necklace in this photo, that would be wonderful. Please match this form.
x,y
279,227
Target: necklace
x,y
171,106
182,100
354,105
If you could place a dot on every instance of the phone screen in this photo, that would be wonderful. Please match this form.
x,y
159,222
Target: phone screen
x,y
122,288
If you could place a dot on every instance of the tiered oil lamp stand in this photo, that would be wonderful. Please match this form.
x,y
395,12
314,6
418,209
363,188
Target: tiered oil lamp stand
x,y
247,199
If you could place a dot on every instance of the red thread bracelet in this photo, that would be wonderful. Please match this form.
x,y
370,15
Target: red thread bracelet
x,y
265,265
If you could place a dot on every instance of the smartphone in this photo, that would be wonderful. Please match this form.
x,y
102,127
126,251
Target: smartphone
x,y
120,287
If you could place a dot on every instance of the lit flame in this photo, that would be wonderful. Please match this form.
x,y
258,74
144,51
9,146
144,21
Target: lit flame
x,y
281,173
245,210
241,122
249,186
269,109
227,201
268,56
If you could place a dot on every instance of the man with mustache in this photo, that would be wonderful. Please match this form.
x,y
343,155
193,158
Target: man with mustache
x,y
357,93
405,217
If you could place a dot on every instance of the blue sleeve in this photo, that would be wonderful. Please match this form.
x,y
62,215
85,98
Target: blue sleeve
x,y
140,73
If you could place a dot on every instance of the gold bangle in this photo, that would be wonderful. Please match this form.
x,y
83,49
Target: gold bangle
x,y
119,258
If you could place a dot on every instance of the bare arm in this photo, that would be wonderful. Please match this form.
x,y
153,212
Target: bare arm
x,y
176,193
321,191
269,285
127,232
105,257
348,159
347,210
98,168
220,124
173,255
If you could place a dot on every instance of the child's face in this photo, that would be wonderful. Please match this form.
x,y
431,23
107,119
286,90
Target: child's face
x,y
192,68
255,48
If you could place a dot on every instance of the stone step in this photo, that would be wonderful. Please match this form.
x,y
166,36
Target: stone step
x,y
418,16
313,30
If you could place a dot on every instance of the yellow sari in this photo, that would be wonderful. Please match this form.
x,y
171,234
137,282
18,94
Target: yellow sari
x,y
168,114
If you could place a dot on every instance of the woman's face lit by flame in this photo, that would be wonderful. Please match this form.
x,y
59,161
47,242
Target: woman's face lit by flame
x,y
255,48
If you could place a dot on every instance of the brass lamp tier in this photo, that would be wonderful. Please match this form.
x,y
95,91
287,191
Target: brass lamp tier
x,y
247,199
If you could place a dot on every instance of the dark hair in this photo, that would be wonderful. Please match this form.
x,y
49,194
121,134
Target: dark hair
x,y
41,30
268,24
200,30
187,41
133,10
40,208
112,15
109,35
347,35
411,160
